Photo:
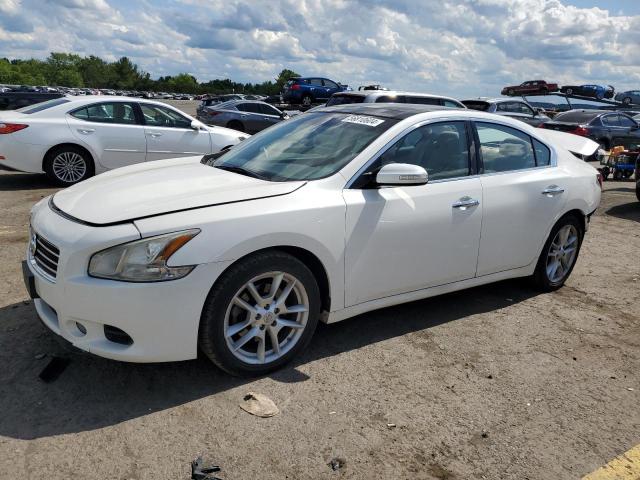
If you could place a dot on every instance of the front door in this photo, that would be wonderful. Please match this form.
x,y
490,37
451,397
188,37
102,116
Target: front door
x,y
407,238
169,134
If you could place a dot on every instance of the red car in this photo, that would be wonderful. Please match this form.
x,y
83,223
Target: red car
x,y
532,87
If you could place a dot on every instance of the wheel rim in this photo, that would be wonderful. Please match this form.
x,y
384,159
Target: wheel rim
x,y
306,101
69,167
266,318
562,253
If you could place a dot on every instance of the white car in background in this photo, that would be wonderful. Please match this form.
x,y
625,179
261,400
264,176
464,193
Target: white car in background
x,y
74,138
325,216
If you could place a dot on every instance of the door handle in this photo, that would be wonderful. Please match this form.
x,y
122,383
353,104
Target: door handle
x,y
154,134
86,131
552,190
466,202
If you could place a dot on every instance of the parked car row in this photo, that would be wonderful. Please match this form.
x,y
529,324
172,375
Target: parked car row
x,y
74,138
599,92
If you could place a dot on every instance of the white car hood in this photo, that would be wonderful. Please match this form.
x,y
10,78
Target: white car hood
x,y
160,187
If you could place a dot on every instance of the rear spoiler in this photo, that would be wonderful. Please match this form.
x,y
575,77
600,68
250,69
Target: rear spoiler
x,y
574,143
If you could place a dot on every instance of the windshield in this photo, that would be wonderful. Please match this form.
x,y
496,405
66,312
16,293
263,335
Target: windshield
x,y
345,99
38,107
307,147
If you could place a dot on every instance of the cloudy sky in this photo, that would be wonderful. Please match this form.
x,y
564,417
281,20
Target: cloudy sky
x,y
460,48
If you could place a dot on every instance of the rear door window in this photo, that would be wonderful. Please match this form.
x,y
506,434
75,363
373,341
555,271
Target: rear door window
x,y
109,112
504,149
316,82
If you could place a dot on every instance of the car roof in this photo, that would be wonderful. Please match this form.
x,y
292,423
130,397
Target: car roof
x,y
396,111
493,100
390,93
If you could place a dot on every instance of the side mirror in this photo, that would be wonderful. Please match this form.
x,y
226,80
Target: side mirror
x,y
401,174
196,125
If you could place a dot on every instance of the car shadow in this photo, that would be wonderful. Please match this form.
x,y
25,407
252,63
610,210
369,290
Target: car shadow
x,y
626,211
10,181
93,392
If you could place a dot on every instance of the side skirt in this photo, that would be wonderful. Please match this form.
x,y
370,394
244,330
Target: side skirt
x,y
354,310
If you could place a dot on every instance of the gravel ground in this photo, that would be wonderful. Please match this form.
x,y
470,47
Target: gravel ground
x,y
496,382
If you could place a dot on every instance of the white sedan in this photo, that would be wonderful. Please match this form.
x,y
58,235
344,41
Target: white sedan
x,y
326,216
73,138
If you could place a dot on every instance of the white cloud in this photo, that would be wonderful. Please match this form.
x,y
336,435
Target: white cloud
x,y
462,48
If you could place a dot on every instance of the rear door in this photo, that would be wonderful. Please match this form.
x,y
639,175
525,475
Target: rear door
x,y
618,133
169,134
631,132
522,193
112,130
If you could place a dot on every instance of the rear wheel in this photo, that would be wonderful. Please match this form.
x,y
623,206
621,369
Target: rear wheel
x,y
510,92
569,91
68,165
260,314
307,100
626,100
559,254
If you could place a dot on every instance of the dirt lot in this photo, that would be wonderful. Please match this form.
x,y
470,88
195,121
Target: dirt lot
x,y
492,383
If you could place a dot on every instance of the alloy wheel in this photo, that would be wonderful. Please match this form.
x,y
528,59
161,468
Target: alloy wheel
x,y
266,318
69,167
562,253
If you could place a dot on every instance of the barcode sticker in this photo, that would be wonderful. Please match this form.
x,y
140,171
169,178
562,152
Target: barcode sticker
x,y
363,120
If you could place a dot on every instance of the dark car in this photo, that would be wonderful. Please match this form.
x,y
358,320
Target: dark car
x,y
531,87
637,177
608,128
309,90
215,100
249,116
518,109
15,100
594,91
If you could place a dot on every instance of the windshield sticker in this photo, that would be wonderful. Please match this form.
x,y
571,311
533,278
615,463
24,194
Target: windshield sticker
x,y
363,120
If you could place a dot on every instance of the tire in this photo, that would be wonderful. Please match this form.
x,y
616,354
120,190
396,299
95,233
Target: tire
x,y
545,278
307,100
638,191
626,100
605,173
68,165
544,91
511,92
569,91
222,311
236,125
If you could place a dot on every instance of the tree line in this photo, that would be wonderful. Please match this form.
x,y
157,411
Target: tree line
x,y
71,70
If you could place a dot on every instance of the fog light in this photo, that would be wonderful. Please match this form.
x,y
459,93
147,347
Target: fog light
x,y
81,328
117,335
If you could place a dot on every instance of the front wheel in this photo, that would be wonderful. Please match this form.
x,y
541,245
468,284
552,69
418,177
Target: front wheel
x,y
260,314
307,101
626,100
559,254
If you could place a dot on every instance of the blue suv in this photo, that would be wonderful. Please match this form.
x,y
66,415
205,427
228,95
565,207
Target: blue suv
x,y
308,90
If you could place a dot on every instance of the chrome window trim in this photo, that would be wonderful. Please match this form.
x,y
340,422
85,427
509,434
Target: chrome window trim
x,y
553,161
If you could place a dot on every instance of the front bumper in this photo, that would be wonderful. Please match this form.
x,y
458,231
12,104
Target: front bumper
x,y
161,318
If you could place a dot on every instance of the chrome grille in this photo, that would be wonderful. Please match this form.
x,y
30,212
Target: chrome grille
x,y
46,256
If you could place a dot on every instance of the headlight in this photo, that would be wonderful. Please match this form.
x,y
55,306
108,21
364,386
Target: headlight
x,y
143,260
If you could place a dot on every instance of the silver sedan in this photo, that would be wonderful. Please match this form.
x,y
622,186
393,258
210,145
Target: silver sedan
x,y
244,115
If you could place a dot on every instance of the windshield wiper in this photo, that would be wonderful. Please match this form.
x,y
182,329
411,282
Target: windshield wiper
x,y
242,171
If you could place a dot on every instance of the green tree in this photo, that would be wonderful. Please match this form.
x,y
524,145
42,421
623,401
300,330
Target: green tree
x,y
284,76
